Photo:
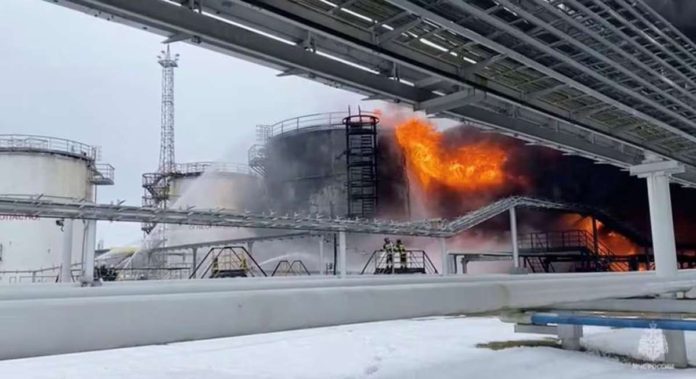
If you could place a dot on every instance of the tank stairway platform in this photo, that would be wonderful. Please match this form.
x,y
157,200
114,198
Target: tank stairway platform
x,y
227,262
539,251
361,165
416,262
287,268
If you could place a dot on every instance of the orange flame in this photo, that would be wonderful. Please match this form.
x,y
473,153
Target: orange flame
x,y
476,166
615,242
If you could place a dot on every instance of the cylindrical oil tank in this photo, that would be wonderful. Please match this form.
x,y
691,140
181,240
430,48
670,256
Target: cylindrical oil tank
x,y
57,169
305,164
212,185
305,167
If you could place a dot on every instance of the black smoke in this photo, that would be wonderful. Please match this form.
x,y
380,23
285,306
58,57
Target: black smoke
x,y
545,173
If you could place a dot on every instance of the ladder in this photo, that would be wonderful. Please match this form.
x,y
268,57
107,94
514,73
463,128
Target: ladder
x,y
361,165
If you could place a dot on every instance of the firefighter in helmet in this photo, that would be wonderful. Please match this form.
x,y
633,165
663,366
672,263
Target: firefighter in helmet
x,y
388,248
401,249
244,265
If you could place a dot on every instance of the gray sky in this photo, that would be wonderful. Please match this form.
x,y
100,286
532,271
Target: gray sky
x,y
66,74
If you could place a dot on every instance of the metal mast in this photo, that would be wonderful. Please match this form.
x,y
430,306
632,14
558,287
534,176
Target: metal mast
x,y
156,184
166,158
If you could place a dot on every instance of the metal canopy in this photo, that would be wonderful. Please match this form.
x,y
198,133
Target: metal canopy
x,y
604,79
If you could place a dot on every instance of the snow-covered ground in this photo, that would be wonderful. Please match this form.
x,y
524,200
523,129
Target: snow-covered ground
x,y
422,348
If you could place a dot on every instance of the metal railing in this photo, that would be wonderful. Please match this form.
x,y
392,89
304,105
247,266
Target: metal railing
x,y
226,258
287,268
310,121
152,273
417,261
19,142
602,255
103,173
44,275
201,167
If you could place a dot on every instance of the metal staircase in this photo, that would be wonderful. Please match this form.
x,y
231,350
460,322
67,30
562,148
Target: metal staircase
x,y
540,250
417,262
287,268
227,262
361,165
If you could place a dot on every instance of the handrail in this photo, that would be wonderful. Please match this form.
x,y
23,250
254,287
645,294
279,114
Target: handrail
x,y
290,266
220,250
301,264
423,260
315,120
51,144
275,270
213,166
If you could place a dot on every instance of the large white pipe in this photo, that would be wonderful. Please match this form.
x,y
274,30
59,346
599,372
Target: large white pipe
x,y
66,325
51,291
444,263
662,225
513,234
322,265
66,258
342,254
88,251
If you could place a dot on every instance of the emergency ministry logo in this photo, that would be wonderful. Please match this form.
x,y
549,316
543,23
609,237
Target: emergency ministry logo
x,y
653,344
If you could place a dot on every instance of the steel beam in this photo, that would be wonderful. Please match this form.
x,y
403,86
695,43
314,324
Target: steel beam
x,y
448,102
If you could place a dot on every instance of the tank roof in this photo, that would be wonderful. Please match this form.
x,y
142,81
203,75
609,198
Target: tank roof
x,y
102,173
45,144
307,123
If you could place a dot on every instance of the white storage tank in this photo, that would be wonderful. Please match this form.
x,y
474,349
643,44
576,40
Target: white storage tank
x,y
57,169
212,185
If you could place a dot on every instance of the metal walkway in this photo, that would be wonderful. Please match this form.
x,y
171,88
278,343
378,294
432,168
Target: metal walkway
x,y
38,207
608,80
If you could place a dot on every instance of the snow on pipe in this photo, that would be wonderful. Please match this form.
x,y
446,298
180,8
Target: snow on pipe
x,y
66,325
615,322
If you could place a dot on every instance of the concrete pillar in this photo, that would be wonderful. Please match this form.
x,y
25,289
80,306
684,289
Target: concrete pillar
x,y
513,235
88,251
570,336
657,174
322,265
444,265
676,348
342,253
66,258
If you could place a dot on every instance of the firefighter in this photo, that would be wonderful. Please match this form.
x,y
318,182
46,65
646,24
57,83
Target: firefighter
x,y
244,265
401,249
389,251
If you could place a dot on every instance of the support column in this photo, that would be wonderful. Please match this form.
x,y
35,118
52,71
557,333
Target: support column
x,y
657,174
513,235
444,265
570,336
194,263
342,253
676,348
322,265
90,244
66,258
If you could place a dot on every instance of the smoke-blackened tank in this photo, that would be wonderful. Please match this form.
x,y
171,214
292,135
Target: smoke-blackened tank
x,y
304,161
